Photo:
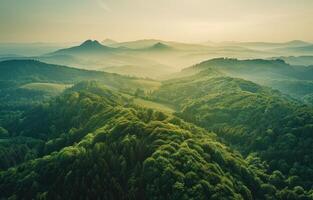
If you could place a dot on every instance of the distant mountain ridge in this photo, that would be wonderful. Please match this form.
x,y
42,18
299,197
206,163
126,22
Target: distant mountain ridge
x,y
297,60
257,67
108,42
89,46
295,81
268,45
307,48
163,56
32,71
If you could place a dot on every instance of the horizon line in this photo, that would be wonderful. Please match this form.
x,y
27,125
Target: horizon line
x,y
142,39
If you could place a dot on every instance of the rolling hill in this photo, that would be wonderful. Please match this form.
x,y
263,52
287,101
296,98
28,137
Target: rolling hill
x,y
27,83
93,144
249,117
164,57
94,56
206,134
25,71
297,51
290,79
297,60
266,45
108,42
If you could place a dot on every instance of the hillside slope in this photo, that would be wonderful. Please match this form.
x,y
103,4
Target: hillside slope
x,y
95,145
293,80
26,83
24,71
251,118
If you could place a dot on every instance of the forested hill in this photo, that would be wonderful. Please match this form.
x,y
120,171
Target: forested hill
x,y
25,83
35,71
259,67
92,143
293,80
251,118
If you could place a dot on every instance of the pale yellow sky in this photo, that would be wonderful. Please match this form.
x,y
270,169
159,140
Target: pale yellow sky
x,y
181,20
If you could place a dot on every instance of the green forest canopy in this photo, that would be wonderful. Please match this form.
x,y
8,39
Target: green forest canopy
x,y
229,138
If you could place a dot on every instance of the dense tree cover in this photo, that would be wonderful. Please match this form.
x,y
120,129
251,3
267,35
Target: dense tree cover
x,y
15,98
290,79
96,145
251,118
299,89
92,142
271,68
49,125
35,71
308,99
25,71
16,150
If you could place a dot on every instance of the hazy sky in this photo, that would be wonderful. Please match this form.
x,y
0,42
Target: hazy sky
x,y
182,20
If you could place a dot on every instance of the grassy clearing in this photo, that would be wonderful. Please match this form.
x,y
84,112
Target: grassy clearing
x,y
150,104
154,105
147,85
46,87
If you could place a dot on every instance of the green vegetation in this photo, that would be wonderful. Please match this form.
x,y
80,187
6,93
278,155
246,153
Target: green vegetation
x,y
292,80
92,142
53,88
29,71
249,117
145,58
154,105
69,133
153,58
144,70
27,83
146,62
93,146
298,60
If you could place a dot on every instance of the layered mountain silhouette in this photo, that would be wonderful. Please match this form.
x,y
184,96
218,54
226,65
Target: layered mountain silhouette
x,y
290,79
298,43
89,46
266,45
109,42
159,46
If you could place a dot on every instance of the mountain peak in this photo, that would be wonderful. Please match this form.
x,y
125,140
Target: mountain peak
x,y
298,42
160,46
91,43
89,46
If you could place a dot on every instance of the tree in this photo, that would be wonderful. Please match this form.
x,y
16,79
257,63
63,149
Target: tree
x,y
139,92
3,132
